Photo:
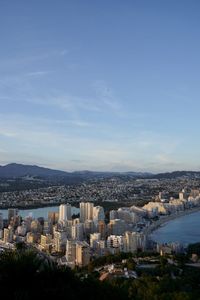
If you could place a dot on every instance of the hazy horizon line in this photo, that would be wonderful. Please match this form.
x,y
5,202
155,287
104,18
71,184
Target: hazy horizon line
x,y
99,171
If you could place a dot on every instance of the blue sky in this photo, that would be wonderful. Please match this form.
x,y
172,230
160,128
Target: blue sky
x,y
100,85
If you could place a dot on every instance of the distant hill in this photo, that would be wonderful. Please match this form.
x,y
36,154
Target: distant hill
x,y
15,170
177,174
19,170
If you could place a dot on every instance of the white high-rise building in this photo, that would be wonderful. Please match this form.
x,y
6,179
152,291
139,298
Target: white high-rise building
x,y
71,251
60,238
86,211
8,234
65,212
98,214
115,241
82,254
101,245
77,253
94,239
46,242
182,195
77,232
134,241
12,213
47,227
130,242
22,229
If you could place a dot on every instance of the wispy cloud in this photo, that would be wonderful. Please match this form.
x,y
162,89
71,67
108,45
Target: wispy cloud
x,y
60,148
77,123
79,132
37,73
28,60
7,133
106,96
21,88
100,99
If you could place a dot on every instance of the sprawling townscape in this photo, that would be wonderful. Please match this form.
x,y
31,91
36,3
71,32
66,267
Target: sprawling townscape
x,y
121,190
75,240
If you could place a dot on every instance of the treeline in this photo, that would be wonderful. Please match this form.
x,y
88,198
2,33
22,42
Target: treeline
x,y
194,248
25,274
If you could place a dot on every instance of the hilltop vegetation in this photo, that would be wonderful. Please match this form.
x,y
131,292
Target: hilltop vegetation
x,y
24,274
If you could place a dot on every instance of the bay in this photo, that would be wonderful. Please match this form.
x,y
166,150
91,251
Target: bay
x,y
185,230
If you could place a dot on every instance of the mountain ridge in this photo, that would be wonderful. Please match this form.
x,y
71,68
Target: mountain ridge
x,y
20,170
13,170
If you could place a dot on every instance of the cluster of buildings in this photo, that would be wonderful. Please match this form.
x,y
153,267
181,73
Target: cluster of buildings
x,y
74,240
164,206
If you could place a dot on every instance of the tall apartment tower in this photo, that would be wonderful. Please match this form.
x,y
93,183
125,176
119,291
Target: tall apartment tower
x,y
130,243
71,251
60,239
134,241
12,213
86,211
65,213
82,254
102,229
182,195
98,214
77,253
77,231
8,235
94,239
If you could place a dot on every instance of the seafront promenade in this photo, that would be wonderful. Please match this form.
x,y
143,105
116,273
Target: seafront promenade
x,y
165,219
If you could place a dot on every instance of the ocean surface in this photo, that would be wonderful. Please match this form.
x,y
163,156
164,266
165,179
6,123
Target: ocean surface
x,y
37,212
185,230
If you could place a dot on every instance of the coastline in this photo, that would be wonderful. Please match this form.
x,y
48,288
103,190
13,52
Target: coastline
x,y
165,219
